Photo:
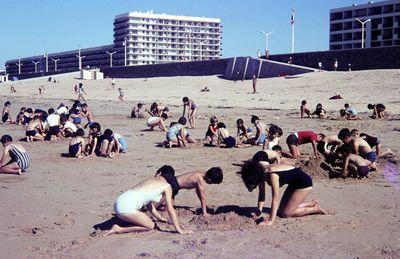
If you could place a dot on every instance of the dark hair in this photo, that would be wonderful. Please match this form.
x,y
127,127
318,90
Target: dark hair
x,y
370,106
22,109
273,129
343,133
215,175
95,125
345,149
168,173
277,148
322,135
254,118
260,156
318,106
252,174
213,119
304,102
108,132
153,106
51,111
140,105
182,120
61,105
29,110
63,118
76,104
239,121
37,117
342,112
79,133
7,103
172,123
166,109
84,105
279,131
80,84
221,125
185,99
164,116
346,105
5,138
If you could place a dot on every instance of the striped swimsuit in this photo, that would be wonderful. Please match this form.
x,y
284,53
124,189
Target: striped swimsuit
x,y
21,158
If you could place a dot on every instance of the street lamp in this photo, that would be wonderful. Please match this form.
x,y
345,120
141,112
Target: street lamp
x,y
111,53
47,61
125,45
55,63
362,30
19,64
80,57
266,40
36,63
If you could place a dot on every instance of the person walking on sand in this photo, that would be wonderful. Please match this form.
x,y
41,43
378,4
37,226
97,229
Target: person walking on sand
x,y
14,159
254,84
256,174
163,187
113,83
81,92
121,94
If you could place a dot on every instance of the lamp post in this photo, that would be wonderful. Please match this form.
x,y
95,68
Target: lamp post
x,y
19,64
111,54
292,22
266,34
47,61
363,31
80,57
36,63
125,45
55,63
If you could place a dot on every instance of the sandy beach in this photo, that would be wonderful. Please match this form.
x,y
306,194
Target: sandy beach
x,y
52,210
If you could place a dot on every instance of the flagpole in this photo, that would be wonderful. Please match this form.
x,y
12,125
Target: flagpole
x,y
292,23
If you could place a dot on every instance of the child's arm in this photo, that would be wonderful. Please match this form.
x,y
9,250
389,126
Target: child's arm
x,y
3,157
154,211
201,195
345,165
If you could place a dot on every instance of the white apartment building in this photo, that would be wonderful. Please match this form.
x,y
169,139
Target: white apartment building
x,y
148,38
382,31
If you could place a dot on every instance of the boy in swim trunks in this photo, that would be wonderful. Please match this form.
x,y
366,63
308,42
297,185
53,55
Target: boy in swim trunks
x,y
378,110
86,113
34,130
68,128
198,180
359,146
261,133
271,156
304,110
373,142
327,147
53,124
296,139
353,164
14,159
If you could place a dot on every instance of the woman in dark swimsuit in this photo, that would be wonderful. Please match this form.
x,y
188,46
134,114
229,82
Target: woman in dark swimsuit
x,y
299,187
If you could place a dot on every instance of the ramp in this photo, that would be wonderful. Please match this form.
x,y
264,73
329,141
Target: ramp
x,y
242,68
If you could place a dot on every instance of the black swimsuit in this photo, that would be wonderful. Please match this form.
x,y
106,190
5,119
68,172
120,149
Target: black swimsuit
x,y
294,178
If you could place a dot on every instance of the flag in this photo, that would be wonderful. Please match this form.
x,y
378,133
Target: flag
x,y
292,18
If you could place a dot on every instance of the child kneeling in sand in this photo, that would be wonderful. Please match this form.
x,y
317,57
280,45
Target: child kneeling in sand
x,y
157,189
177,135
77,144
353,164
197,180
157,121
14,159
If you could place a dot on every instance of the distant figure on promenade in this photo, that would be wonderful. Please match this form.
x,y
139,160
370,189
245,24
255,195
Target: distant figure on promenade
x,y
259,54
336,65
237,76
14,159
319,66
254,84
267,55
378,110
349,67
290,62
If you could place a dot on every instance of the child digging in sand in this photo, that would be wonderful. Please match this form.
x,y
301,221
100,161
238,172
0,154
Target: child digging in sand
x,y
304,110
77,144
211,134
256,174
14,159
261,133
353,164
192,110
34,130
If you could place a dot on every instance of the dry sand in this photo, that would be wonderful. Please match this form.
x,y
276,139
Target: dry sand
x,y
51,210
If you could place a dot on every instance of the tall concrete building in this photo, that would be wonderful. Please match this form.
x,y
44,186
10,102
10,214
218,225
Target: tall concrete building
x,y
382,31
160,38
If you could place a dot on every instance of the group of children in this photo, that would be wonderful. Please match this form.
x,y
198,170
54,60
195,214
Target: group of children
x,y
348,112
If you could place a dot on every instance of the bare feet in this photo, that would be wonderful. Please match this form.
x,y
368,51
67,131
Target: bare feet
x,y
320,210
114,230
19,172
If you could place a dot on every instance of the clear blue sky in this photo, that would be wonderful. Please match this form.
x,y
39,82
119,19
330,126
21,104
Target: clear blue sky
x,y
32,27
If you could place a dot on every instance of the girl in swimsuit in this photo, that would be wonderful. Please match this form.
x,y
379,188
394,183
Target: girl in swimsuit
x,y
224,137
211,134
292,203
261,135
76,144
192,110
6,115
161,188
14,159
